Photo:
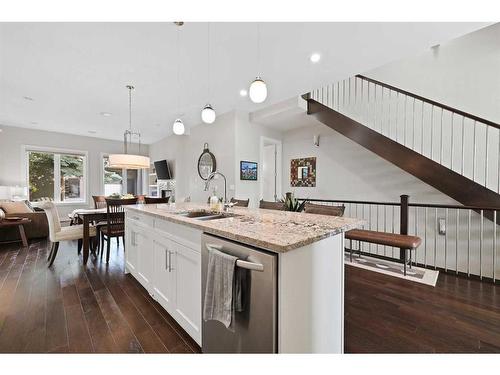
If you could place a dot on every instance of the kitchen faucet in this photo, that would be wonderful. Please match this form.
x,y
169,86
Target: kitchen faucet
x,y
210,178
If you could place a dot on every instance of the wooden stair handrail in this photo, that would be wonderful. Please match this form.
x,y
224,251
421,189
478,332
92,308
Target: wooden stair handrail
x,y
429,101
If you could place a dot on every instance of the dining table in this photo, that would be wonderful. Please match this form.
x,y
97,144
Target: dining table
x,y
86,217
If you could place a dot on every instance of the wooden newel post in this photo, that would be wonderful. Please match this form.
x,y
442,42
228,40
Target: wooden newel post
x,y
403,221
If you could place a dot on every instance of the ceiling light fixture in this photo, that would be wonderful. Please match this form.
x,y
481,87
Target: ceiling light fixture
x,y
315,57
105,114
243,92
258,88
178,126
208,114
126,160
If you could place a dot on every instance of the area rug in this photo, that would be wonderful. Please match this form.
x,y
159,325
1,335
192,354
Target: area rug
x,y
416,274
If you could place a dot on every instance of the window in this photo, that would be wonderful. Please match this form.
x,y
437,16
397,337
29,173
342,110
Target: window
x,y
56,176
113,179
121,181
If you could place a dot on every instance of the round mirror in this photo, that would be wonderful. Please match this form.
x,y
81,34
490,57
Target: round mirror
x,y
206,163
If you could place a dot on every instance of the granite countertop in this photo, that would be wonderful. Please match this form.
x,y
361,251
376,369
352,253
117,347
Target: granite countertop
x,y
277,231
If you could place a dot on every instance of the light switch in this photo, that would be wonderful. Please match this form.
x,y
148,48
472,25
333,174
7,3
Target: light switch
x,y
442,226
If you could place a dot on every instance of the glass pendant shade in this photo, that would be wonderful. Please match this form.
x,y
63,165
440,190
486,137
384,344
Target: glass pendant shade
x,y
208,114
128,161
178,127
258,91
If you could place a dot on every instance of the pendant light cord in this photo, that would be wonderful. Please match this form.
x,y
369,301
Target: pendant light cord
x,y
178,67
258,48
130,108
208,58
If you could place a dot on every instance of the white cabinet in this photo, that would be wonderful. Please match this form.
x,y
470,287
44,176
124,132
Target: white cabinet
x,y
131,248
165,258
187,272
164,280
144,249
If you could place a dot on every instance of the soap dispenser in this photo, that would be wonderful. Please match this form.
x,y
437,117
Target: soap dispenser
x,y
214,202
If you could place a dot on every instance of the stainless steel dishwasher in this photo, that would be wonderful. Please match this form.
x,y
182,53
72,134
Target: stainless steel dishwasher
x,y
254,330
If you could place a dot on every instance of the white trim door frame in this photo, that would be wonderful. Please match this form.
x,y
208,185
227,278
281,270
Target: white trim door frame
x,y
265,141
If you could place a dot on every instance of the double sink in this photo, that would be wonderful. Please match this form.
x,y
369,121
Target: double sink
x,y
206,215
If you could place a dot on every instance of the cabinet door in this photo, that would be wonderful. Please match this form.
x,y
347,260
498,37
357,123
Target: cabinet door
x,y
164,282
187,272
131,248
144,251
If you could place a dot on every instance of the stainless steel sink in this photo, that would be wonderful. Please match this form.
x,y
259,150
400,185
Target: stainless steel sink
x,y
206,215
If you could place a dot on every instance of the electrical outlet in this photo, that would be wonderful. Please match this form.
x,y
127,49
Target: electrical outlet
x,y
442,226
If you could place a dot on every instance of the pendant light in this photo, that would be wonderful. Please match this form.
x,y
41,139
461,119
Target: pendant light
x,y
258,88
126,160
208,113
178,126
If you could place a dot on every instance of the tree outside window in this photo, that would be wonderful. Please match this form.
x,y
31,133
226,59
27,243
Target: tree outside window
x,y
54,176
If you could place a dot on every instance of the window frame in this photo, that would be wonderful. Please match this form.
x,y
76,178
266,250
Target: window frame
x,y
25,149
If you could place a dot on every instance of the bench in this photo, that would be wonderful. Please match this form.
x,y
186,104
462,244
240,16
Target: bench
x,y
403,241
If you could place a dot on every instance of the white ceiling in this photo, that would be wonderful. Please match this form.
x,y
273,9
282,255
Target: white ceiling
x,y
75,71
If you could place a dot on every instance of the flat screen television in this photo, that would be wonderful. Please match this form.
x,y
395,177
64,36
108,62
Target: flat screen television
x,y
162,170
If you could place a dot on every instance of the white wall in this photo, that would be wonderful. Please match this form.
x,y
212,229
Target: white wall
x,y
231,138
183,152
248,141
345,170
11,161
462,73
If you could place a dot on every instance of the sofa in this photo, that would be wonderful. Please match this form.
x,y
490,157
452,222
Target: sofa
x,y
38,228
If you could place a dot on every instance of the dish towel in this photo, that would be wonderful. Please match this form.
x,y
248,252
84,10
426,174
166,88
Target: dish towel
x,y
219,289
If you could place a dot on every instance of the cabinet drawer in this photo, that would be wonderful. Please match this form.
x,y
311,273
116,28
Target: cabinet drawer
x,y
139,218
180,233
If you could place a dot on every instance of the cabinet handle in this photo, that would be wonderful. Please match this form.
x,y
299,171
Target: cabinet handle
x,y
169,261
166,259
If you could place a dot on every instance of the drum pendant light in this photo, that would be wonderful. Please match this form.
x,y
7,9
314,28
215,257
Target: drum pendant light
x,y
126,160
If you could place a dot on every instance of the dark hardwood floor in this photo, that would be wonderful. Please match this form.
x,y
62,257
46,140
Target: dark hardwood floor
x,y
385,314
100,309
71,309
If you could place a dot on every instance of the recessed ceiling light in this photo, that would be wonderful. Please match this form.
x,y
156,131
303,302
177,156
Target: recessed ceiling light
x,y
92,131
105,114
315,57
28,98
243,92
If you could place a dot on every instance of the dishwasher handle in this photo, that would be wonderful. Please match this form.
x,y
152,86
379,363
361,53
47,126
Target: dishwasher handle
x,y
239,263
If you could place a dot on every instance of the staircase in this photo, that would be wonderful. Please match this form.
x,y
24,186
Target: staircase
x,y
453,151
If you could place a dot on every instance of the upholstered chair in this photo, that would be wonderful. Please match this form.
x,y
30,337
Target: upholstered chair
x,y
58,233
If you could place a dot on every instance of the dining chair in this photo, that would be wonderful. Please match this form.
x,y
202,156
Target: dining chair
x,y
99,201
115,223
322,209
271,205
58,233
240,202
151,200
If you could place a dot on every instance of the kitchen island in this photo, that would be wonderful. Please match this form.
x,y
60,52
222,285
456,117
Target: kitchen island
x,y
164,253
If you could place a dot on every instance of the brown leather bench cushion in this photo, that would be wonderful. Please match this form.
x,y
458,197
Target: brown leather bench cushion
x,y
382,238
320,209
